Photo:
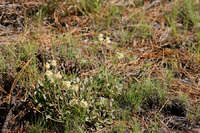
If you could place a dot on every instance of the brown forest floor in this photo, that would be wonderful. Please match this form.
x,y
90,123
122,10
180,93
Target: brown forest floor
x,y
157,49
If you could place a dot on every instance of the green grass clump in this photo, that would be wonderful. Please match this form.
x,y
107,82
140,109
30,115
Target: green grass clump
x,y
185,13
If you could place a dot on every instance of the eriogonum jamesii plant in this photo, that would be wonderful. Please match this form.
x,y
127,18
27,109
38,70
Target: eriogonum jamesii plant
x,y
62,98
55,94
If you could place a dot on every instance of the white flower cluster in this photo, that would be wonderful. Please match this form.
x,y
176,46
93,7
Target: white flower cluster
x,y
74,87
101,39
82,103
52,75
69,85
120,55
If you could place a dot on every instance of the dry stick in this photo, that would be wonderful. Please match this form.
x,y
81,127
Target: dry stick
x,y
139,118
16,79
3,90
155,3
8,117
163,105
155,117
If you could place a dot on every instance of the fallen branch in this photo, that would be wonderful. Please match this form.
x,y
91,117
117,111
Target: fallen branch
x,y
16,80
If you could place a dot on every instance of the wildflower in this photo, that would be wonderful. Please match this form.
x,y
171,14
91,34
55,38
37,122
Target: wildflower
x,y
100,37
66,84
84,104
47,65
120,55
75,88
102,100
73,101
52,80
53,63
49,73
50,76
58,75
108,40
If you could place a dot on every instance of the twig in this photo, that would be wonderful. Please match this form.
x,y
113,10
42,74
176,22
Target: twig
x,y
3,90
16,80
139,118
9,5
162,122
152,5
163,105
9,115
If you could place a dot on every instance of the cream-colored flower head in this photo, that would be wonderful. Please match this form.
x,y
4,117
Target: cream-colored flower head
x,y
49,73
100,37
50,76
47,65
52,80
66,84
58,75
73,101
74,88
120,55
108,40
84,104
53,63
102,100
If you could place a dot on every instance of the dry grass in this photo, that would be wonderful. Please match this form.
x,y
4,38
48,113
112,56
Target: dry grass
x,y
158,42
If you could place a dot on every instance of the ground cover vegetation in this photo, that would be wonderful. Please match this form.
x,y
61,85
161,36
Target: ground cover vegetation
x,y
100,66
